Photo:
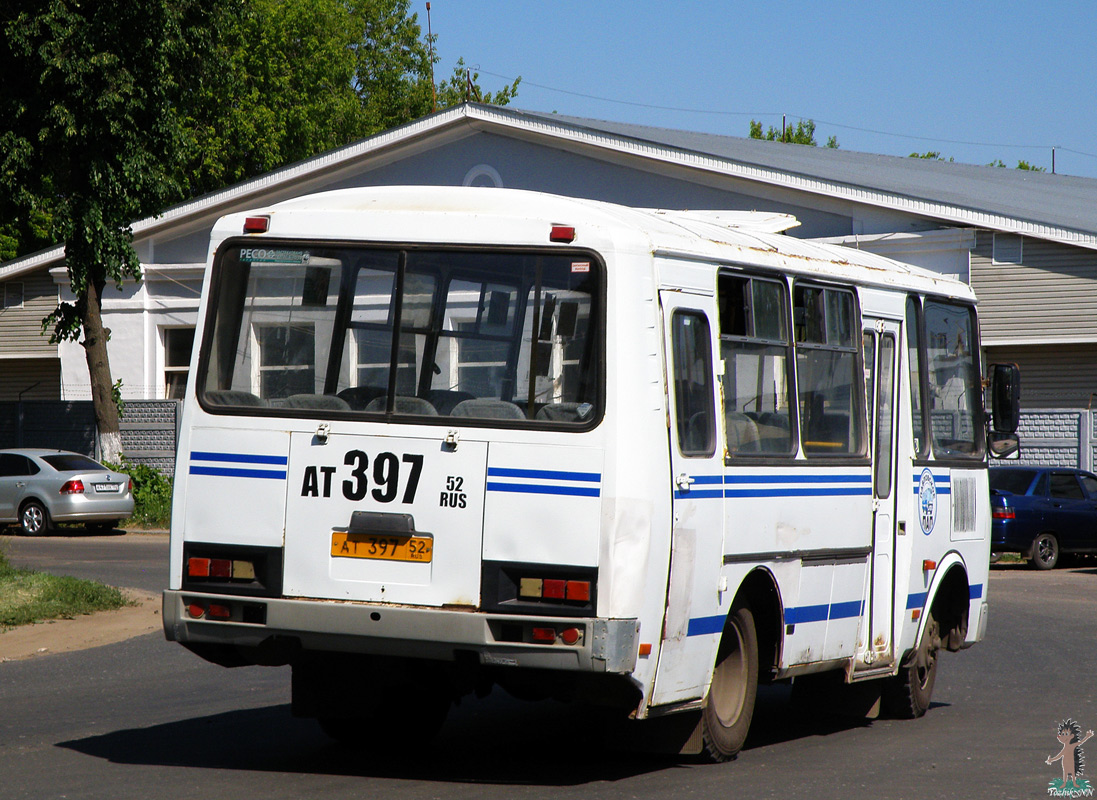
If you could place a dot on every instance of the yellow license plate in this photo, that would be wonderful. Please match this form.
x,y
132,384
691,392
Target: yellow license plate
x,y
384,547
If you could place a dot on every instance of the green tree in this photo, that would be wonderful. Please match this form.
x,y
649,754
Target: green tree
x,y
802,133
464,86
89,143
930,155
295,78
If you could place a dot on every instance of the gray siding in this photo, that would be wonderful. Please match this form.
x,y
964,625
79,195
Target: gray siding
x,y
1052,295
1059,376
22,327
30,378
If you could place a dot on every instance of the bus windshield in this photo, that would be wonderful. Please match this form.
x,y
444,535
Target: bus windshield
x,y
499,337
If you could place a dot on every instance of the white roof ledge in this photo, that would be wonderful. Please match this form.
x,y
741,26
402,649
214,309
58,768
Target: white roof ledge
x,y
758,221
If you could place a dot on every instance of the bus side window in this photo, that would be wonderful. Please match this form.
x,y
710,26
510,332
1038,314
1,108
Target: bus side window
x,y
693,383
755,347
914,360
832,417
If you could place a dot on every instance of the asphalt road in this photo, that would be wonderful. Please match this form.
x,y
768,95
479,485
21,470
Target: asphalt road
x,y
146,719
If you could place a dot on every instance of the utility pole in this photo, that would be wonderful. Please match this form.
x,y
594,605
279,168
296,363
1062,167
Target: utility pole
x,y
433,87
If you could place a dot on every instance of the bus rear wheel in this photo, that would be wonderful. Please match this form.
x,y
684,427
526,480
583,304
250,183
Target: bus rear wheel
x,y
729,706
908,694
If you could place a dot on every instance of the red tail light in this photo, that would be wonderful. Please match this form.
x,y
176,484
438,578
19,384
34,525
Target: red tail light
x,y
73,487
256,224
1004,513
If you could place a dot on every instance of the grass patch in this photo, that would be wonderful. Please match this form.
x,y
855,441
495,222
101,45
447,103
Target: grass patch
x,y
27,596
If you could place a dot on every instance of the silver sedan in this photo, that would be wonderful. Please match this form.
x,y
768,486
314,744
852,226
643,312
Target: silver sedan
x,y
40,487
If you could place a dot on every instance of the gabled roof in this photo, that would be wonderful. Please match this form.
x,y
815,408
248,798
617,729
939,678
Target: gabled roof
x,y
1056,207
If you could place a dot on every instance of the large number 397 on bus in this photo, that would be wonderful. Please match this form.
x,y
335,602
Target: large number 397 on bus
x,y
441,439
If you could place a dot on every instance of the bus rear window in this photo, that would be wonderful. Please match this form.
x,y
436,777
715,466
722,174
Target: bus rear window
x,y
491,337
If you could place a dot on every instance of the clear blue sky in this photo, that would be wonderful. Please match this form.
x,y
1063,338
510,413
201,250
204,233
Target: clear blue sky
x,y
977,81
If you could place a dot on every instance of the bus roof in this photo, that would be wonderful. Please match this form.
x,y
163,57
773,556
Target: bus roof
x,y
481,215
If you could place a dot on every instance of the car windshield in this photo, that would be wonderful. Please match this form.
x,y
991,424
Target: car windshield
x,y
1014,481
72,462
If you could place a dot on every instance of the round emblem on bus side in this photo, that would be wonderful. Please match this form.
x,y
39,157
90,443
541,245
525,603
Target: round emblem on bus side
x,y
927,501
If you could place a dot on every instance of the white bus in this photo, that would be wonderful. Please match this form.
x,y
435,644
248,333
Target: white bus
x,y
439,439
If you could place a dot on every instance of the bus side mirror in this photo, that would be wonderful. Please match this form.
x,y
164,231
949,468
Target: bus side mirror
x,y
1005,394
1005,406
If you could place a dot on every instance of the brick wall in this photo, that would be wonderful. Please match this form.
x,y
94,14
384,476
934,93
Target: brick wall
x,y
149,430
1058,438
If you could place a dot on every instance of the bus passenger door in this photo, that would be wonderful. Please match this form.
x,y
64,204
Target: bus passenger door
x,y
881,611
693,623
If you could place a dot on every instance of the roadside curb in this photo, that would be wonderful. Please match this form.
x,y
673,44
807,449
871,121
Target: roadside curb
x,y
85,631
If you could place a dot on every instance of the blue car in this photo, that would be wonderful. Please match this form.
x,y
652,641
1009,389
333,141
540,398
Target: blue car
x,y
1043,512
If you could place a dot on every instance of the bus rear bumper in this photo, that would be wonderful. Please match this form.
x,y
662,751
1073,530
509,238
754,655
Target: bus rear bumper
x,y
275,630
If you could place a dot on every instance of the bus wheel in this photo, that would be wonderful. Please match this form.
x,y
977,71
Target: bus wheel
x,y
729,706
908,694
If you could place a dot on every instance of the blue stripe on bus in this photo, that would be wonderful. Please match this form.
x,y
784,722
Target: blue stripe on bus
x,y
238,458
701,626
736,486
544,474
975,592
917,600
819,613
850,478
534,488
231,472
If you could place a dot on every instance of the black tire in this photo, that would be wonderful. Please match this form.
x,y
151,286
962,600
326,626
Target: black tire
x,y
729,706
34,519
908,694
1045,552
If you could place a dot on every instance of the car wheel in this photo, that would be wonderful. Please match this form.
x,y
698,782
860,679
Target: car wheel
x,y
34,519
1045,551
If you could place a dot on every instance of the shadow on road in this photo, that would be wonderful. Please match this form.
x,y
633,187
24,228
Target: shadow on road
x,y
491,741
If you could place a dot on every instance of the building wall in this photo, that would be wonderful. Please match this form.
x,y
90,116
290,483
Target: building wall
x,y
1050,297
22,323
1052,376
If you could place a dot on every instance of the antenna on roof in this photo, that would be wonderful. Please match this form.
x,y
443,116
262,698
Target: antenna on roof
x,y
430,45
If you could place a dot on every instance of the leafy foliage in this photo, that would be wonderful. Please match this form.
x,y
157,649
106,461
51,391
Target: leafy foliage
x,y
802,133
151,494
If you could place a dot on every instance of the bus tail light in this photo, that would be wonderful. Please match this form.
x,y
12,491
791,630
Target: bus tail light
x,y
544,635
256,224
554,589
220,569
562,233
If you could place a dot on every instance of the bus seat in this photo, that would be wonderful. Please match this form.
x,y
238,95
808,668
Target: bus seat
x,y
328,402
445,400
358,397
403,405
232,397
742,433
487,408
566,412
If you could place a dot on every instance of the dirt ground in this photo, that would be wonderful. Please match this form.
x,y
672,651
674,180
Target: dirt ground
x,y
91,630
